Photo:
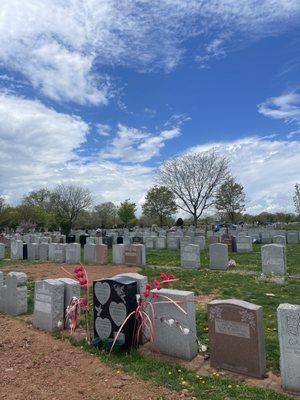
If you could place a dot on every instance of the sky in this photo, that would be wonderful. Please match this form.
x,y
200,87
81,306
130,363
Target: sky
x,y
99,93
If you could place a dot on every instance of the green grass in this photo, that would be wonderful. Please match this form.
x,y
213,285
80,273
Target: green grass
x,y
176,377
244,261
221,285
225,285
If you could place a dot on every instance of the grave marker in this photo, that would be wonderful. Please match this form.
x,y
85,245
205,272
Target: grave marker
x,y
236,337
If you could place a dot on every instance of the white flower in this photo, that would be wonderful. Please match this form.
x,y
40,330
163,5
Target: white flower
x,y
185,331
171,322
203,348
59,324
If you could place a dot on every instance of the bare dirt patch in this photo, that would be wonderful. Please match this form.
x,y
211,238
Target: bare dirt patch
x,y
35,366
49,270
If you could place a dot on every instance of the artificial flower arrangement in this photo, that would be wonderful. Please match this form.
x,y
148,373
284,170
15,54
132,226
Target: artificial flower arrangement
x,y
144,313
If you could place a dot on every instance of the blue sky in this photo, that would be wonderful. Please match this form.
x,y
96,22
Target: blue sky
x,y
99,94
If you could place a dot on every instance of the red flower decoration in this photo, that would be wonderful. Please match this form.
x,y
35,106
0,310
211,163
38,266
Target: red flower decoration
x,y
157,284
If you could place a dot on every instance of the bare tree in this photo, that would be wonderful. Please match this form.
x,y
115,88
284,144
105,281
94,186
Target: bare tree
x,y
296,198
69,201
195,179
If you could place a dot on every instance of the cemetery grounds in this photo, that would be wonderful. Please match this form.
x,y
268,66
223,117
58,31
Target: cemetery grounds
x,y
34,365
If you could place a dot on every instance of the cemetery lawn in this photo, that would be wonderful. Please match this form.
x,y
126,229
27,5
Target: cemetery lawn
x,y
226,285
244,261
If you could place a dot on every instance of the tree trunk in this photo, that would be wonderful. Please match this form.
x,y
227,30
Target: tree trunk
x,y
195,220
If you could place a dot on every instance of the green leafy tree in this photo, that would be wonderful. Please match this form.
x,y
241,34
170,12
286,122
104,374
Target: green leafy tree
x,y
126,212
41,198
32,214
106,214
159,203
230,200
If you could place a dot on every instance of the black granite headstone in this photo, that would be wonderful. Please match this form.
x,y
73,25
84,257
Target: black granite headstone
x,y
114,299
70,239
25,253
82,239
137,240
119,240
108,240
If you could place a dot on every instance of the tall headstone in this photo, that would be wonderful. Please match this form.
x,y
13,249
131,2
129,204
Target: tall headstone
x,y
200,241
101,253
289,343
218,254
2,251
16,250
273,258
71,289
236,337
44,251
118,254
114,300
73,253
57,252
33,251
190,256
13,295
89,253
48,304
175,331
161,242
150,242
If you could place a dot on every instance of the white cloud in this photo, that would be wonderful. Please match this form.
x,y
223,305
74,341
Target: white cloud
x,y
61,46
285,106
103,129
133,145
268,170
38,149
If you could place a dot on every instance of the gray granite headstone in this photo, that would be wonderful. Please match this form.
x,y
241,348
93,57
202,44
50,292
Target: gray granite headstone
x,y
16,250
44,251
73,253
13,295
2,251
173,242
289,343
33,251
200,241
292,237
118,253
190,256
48,304
279,239
175,332
160,242
141,280
89,253
218,254
244,244
273,258
71,289
150,242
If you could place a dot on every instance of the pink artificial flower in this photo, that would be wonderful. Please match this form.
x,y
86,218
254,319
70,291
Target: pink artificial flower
x,y
155,295
146,293
148,286
157,284
164,276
